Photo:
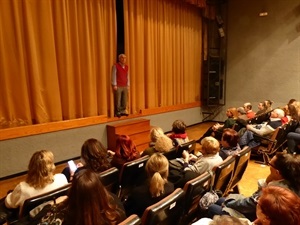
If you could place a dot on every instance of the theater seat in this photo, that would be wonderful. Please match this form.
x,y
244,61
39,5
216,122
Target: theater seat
x,y
167,211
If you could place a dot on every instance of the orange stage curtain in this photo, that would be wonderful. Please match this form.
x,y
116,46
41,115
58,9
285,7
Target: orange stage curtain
x,y
56,59
163,43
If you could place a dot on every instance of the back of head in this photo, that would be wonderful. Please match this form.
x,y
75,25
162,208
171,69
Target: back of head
x,y
155,133
89,203
125,148
40,169
241,110
288,166
157,169
279,206
231,137
178,127
248,106
233,112
280,113
226,220
163,144
268,104
210,145
94,155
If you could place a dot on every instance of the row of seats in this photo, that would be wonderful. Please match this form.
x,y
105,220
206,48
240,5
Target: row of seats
x,y
270,145
182,202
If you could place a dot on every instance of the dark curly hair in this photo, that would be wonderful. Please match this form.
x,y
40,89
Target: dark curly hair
x,y
94,155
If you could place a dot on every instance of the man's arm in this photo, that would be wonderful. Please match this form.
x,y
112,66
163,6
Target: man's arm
x,y
263,131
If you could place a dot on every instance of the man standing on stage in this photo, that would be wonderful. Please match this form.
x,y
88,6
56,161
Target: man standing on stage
x,y
120,83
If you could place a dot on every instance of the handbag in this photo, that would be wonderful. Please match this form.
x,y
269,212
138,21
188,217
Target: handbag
x,y
209,197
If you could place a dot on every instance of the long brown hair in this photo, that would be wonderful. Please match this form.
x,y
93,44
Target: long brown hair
x,y
89,202
94,155
40,169
125,148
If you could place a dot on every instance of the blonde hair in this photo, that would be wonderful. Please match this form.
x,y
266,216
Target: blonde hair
x,y
163,144
233,111
40,169
157,169
155,133
226,219
210,145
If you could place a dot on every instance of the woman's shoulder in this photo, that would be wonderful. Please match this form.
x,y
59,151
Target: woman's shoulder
x,y
61,178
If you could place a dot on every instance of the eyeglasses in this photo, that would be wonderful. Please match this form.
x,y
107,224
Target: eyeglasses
x,y
269,164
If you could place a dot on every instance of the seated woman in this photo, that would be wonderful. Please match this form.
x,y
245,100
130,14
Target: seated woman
x,y
40,179
163,144
88,203
94,156
125,151
217,129
293,137
191,166
156,187
284,172
207,160
229,143
262,108
277,206
155,133
178,135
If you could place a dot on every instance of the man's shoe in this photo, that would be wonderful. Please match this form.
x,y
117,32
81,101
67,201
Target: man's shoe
x,y
118,115
124,114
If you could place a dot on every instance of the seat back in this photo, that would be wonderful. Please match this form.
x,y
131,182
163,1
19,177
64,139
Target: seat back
x,y
188,146
194,189
131,220
132,174
223,174
165,212
241,163
110,179
172,154
275,143
176,152
35,201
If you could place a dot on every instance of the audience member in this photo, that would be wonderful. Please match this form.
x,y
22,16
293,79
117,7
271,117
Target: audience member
x,y
94,156
262,108
229,143
210,157
40,179
155,133
154,189
178,135
293,137
248,108
277,206
162,144
265,129
125,151
269,104
284,172
217,129
88,203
